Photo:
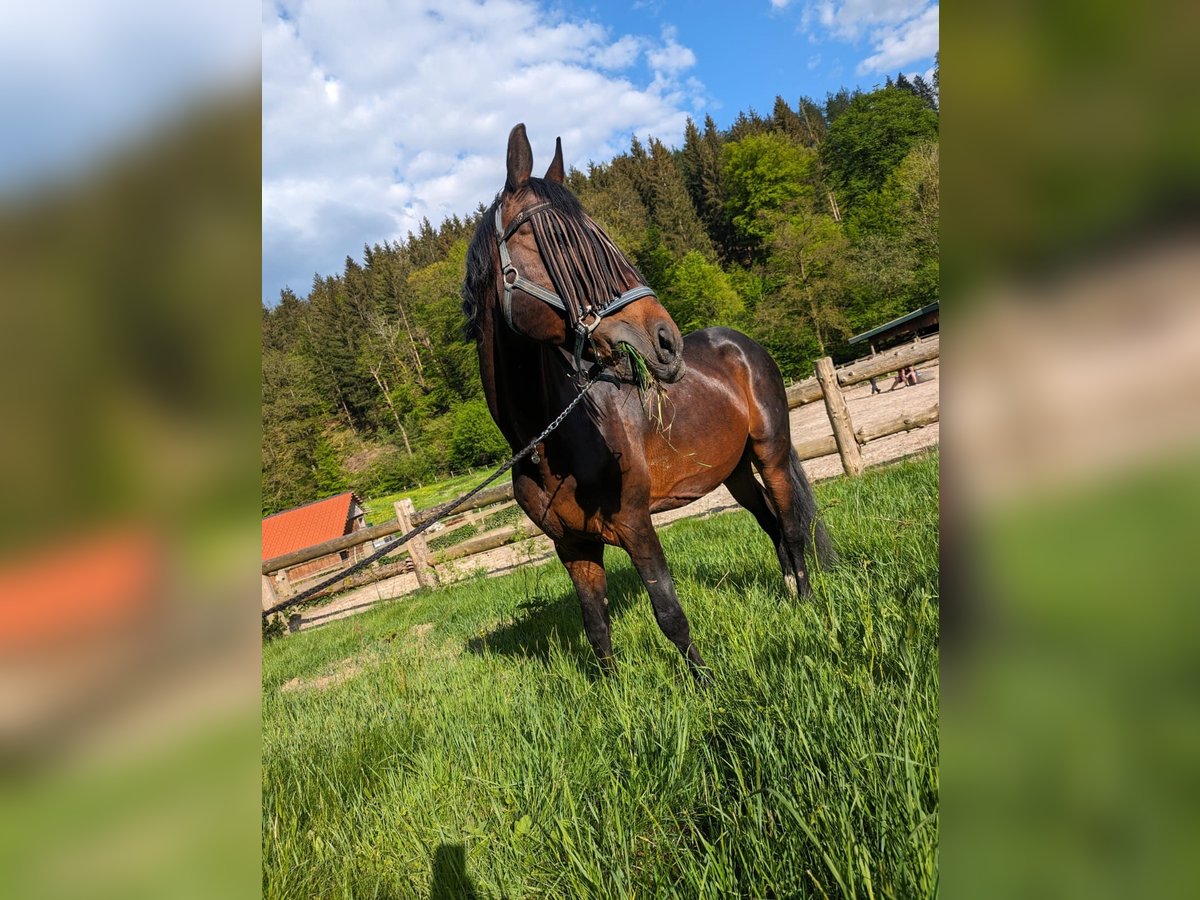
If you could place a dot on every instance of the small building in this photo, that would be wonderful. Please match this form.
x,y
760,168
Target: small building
x,y
314,523
917,324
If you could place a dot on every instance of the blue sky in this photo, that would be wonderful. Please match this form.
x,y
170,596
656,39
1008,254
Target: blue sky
x,y
746,53
399,109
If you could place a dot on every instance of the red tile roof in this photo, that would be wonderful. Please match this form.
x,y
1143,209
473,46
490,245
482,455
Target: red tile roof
x,y
306,525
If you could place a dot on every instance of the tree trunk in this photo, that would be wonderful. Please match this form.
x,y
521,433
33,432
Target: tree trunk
x,y
388,399
349,418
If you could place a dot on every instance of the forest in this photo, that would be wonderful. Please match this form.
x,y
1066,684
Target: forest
x,y
799,228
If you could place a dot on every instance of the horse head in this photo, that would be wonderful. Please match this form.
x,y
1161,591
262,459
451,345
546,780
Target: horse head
x,y
562,281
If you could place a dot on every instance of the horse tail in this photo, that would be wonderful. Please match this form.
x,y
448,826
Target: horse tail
x,y
810,521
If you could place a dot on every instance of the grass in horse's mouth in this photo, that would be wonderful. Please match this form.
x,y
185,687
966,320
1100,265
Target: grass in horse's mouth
x,y
642,376
646,383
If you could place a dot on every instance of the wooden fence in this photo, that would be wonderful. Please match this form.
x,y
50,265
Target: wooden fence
x,y
424,561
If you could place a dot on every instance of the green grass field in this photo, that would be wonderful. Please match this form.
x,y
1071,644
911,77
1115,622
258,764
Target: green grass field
x,y
379,509
462,742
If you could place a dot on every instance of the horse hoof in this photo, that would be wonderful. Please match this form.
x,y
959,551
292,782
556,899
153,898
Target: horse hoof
x,y
702,675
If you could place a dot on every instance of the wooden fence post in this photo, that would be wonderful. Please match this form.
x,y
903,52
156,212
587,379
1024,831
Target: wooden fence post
x,y
269,597
839,418
418,550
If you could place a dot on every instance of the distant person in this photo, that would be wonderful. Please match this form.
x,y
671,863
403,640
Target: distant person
x,y
875,386
907,375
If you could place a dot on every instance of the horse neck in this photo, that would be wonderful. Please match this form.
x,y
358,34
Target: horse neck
x,y
525,386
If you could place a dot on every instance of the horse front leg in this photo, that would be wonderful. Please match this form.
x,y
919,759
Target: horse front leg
x,y
584,562
644,549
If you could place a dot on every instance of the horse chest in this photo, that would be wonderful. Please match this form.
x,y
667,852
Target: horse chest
x,y
561,507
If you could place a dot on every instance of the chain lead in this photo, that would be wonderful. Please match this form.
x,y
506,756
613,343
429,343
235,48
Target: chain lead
x,y
441,512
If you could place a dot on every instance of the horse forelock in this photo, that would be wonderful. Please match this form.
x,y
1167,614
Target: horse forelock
x,y
585,266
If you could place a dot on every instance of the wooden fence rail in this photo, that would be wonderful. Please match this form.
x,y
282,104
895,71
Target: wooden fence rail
x,y
827,385
809,390
824,446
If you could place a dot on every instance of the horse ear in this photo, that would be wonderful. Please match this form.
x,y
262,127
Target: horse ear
x,y
520,159
556,172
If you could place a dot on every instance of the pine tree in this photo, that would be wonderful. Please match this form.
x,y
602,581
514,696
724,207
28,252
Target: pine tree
x,y
700,164
836,104
610,195
923,90
670,205
748,124
691,162
786,121
812,121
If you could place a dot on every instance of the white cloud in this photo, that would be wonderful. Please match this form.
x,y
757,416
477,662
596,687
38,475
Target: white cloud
x,y
851,19
672,57
779,4
908,42
898,31
373,121
619,55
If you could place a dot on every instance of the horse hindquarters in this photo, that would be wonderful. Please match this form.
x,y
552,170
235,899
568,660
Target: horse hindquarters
x,y
785,486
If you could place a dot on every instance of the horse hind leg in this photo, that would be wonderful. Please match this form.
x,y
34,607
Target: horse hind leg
x,y
750,495
791,497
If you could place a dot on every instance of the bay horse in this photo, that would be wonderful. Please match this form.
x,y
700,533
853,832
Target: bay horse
x,y
547,294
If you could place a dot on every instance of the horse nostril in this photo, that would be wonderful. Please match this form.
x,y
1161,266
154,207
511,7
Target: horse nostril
x,y
666,344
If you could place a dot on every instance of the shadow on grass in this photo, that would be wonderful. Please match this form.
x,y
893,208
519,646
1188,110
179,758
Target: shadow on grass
x,y
449,879
556,623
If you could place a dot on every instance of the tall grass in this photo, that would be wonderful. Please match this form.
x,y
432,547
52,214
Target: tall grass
x,y
466,744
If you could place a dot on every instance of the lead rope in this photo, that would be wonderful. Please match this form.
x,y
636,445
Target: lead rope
x,y
441,512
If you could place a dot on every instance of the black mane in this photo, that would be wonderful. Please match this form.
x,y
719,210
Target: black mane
x,y
478,284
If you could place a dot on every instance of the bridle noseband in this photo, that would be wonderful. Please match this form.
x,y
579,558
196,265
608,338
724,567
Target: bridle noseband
x,y
583,321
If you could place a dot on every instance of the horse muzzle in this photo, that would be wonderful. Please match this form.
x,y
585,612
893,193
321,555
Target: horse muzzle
x,y
660,345
668,353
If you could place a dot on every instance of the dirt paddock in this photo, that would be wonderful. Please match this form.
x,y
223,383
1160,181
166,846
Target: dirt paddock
x,y
808,422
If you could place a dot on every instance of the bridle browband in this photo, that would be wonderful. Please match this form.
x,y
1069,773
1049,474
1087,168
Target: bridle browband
x,y
583,317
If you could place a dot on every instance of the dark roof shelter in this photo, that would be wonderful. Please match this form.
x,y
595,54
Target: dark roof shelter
x,y
918,323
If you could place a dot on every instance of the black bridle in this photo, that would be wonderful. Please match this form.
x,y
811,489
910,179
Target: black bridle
x,y
582,317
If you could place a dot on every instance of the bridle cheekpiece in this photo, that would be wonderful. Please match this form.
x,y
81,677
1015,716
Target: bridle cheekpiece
x,y
582,321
